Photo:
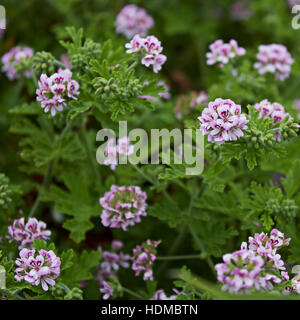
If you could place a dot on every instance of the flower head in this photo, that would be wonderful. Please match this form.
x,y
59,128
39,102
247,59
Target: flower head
x,y
255,266
38,268
273,111
223,121
123,206
24,233
56,90
143,257
12,58
111,262
151,49
274,58
222,53
133,20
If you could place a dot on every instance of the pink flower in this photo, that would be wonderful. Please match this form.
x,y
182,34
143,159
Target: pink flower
x,y
143,257
151,49
123,206
135,44
255,267
223,121
56,90
106,290
274,58
42,268
124,147
24,234
133,20
111,262
13,57
222,53
273,111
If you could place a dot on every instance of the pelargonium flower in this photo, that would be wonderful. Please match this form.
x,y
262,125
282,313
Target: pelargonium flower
x,y
11,58
54,91
143,257
223,121
38,268
257,266
133,20
122,147
161,295
111,262
151,49
222,53
24,234
106,290
274,58
123,206
273,111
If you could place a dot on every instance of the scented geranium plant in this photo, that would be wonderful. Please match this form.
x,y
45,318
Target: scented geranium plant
x,y
72,228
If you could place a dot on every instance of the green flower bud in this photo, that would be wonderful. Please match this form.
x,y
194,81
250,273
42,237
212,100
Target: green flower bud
x,y
43,62
5,191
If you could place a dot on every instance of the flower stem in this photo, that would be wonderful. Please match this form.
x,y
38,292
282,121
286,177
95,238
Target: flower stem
x,y
201,247
48,175
90,154
183,257
134,294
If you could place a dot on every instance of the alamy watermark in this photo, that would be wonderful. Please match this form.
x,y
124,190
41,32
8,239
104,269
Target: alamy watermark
x,y
2,17
160,146
2,278
296,19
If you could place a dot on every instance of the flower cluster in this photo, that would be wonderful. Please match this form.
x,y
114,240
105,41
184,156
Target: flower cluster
x,y
161,295
12,58
123,147
38,268
143,257
273,111
107,290
54,91
123,206
223,121
24,234
111,262
274,58
133,20
5,191
257,265
222,52
151,49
